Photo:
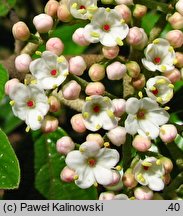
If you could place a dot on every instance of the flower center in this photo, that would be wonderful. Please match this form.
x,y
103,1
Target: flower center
x,y
53,72
145,168
82,7
157,60
30,103
141,114
96,108
106,27
91,162
155,92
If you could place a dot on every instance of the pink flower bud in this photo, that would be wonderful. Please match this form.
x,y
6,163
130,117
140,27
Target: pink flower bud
x,y
117,135
141,143
139,82
129,179
143,193
78,37
110,52
96,72
116,178
124,12
20,31
63,13
43,23
175,38
77,65
139,11
51,8
67,174
10,85
95,88
173,75
133,69
55,45
49,124
22,63
64,145
167,178
54,104
115,71
137,38
168,132
78,123
107,196
167,164
95,138
179,58
176,21
119,107
71,90
179,7
126,2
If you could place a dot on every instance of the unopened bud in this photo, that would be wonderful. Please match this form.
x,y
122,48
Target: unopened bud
x,y
63,13
77,65
54,104
106,196
167,178
129,179
176,21
64,145
55,45
115,71
179,59
110,52
139,82
43,23
78,123
21,31
139,11
179,7
78,37
117,135
51,8
126,2
96,72
115,178
168,132
141,143
95,88
67,174
133,69
167,164
95,138
49,124
124,12
175,38
119,107
143,193
22,63
71,90
10,84
173,75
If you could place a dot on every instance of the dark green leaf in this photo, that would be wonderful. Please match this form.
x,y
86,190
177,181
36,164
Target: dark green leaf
x,y
3,80
9,169
5,6
48,165
179,141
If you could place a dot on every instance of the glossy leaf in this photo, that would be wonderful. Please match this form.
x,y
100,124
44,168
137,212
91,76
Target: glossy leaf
x,y
48,165
179,141
9,166
3,80
5,6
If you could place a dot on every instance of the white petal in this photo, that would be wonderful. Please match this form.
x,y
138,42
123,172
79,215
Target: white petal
x,y
32,119
120,31
51,82
88,29
39,69
149,65
90,149
121,197
149,104
132,105
75,159
131,124
158,117
107,39
103,175
107,157
50,59
19,93
155,184
20,111
107,122
42,107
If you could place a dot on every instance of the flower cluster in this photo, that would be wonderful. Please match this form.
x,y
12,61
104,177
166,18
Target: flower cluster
x,y
135,119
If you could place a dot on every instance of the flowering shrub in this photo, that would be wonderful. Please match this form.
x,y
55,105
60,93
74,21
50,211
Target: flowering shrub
x,y
104,124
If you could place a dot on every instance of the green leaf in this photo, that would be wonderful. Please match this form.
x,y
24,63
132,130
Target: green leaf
x,y
8,122
48,165
179,142
5,6
3,79
9,169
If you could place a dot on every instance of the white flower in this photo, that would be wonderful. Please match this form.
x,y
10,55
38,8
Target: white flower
x,y
159,88
49,70
144,117
92,164
106,27
98,112
83,9
150,172
30,104
159,55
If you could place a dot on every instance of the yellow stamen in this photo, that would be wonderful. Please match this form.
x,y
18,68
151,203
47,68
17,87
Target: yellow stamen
x,y
161,81
122,21
107,144
170,49
110,113
119,41
171,86
66,73
147,164
166,108
39,118
158,162
153,88
95,184
38,53
60,59
86,115
74,6
55,86
98,127
132,198
82,11
26,82
118,168
88,99
140,94
27,129
159,99
92,8
82,149
95,34
163,68
12,102
147,133
107,9
175,61
76,177
156,41
140,177
106,99
33,82
162,131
